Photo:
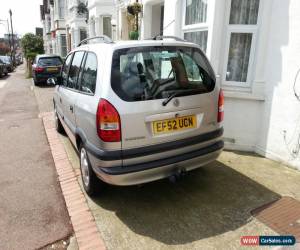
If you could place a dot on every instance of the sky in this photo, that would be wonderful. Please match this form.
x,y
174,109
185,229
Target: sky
x,y
26,15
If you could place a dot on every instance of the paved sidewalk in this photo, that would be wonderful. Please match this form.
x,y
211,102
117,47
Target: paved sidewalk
x,y
86,232
32,209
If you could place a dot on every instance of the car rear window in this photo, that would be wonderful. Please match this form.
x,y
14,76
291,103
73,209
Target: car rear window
x,y
50,61
148,73
6,59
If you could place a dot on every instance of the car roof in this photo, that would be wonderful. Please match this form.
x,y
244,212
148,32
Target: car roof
x,y
131,44
45,55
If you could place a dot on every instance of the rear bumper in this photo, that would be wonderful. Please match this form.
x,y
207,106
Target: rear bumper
x,y
151,171
40,78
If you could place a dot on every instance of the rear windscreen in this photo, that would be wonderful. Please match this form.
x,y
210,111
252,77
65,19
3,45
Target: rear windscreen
x,y
50,61
148,73
6,59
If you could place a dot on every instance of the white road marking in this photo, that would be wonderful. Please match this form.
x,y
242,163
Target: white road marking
x,y
2,84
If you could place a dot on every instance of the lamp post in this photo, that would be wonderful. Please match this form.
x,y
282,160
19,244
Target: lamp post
x,y
12,38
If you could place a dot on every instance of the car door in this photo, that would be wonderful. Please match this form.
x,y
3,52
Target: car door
x,y
70,93
87,102
58,97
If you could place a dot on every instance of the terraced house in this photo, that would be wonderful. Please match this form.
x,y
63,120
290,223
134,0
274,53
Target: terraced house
x,y
253,46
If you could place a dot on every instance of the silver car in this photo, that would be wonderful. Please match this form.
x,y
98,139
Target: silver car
x,y
139,111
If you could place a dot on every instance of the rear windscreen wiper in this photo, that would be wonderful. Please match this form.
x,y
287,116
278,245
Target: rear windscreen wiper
x,y
166,101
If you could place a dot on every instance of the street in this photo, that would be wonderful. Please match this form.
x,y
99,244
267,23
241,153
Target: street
x,y
32,208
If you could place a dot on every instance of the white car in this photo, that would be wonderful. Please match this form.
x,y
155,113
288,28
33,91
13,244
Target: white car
x,y
139,111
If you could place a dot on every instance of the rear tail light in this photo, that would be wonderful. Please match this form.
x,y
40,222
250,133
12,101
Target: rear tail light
x,y
221,106
39,69
108,122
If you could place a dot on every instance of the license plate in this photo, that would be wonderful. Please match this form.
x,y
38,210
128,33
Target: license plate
x,y
174,125
52,69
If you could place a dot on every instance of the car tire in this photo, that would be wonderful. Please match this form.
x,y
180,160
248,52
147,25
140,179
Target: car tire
x,y
35,82
58,126
90,181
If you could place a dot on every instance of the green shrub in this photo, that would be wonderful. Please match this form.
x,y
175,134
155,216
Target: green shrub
x,y
134,35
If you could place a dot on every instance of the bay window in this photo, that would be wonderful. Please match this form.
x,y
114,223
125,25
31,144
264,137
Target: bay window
x,y
195,27
240,43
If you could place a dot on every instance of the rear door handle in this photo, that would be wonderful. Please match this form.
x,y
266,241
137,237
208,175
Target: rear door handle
x,y
60,100
71,108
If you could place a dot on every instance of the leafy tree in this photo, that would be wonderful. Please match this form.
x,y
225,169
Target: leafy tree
x,y
32,45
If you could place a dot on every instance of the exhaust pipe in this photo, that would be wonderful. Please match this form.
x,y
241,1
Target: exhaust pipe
x,y
178,175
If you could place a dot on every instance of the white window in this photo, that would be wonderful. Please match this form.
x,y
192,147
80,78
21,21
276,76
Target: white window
x,y
83,34
63,45
195,27
61,9
240,43
107,26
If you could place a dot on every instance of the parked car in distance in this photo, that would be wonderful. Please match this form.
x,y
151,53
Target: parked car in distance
x,y
9,63
45,67
139,111
19,59
3,69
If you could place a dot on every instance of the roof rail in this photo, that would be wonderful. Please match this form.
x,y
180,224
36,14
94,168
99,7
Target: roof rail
x,y
105,39
160,37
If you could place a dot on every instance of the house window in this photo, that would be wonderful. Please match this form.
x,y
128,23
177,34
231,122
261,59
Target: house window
x,y
61,9
198,37
241,35
107,26
195,27
63,44
83,34
196,11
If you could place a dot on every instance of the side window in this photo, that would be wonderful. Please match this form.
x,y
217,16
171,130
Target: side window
x,y
65,70
89,74
74,69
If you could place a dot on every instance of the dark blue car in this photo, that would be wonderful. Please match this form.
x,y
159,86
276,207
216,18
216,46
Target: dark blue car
x,y
45,67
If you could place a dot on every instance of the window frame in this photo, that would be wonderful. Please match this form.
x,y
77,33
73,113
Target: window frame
x,y
79,80
83,57
82,29
61,44
240,28
194,27
61,9
102,23
71,55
